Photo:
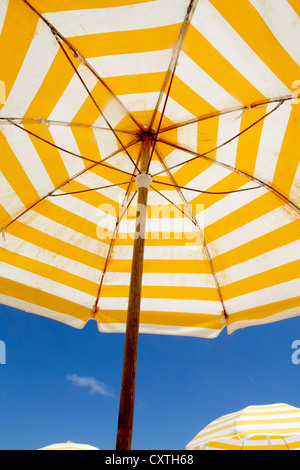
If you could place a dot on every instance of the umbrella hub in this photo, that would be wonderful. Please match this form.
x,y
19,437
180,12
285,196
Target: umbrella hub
x,y
147,132
143,180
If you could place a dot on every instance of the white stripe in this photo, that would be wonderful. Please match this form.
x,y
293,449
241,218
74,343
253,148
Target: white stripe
x,y
9,199
187,137
253,230
155,167
164,305
29,159
183,230
205,180
284,23
283,315
229,126
160,253
271,140
181,225
132,64
74,96
176,156
156,199
272,427
46,285
208,20
64,137
263,263
112,113
34,69
44,312
3,10
161,330
124,18
42,255
162,279
294,195
92,180
269,295
64,233
200,82
84,210
231,203
147,102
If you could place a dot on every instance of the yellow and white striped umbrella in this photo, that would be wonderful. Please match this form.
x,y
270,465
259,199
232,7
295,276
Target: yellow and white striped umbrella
x,y
269,427
69,446
216,86
203,96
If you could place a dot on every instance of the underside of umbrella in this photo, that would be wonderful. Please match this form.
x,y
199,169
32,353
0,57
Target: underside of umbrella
x,y
202,96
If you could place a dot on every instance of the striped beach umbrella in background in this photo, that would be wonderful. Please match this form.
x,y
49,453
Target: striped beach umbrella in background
x,y
69,446
150,152
269,427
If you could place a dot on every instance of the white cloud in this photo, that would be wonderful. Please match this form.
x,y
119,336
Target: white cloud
x,y
90,382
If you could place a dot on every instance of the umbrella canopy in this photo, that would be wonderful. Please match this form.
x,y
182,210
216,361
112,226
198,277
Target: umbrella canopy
x,y
69,446
269,427
201,96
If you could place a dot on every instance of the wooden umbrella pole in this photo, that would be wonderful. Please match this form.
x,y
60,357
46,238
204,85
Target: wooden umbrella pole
x,y
127,395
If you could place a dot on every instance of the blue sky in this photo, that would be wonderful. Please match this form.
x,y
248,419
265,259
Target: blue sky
x,y
61,384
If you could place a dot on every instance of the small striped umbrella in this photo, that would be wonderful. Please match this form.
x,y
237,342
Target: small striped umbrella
x,y
186,110
69,446
274,427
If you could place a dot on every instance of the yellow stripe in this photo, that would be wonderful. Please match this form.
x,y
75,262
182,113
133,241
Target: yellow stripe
x,y
46,6
269,278
127,42
164,292
208,129
188,98
43,299
69,219
248,143
231,182
154,266
87,144
212,62
162,239
295,5
163,318
261,245
16,36
251,211
46,271
54,84
264,311
88,113
289,157
190,170
59,247
93,198
4,217
246,20
49,155
15,175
